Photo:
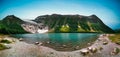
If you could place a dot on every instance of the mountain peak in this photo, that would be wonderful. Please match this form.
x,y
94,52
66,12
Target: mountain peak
x,y
94,16
12,19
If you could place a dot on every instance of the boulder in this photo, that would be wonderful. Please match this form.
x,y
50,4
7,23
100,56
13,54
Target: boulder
x,y
104,43
84,52
115,51
93,50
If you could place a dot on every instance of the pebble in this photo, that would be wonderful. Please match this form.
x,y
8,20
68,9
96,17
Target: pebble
x,y
100,48
48,42
21,39
36,43
77,47
64,45
104,43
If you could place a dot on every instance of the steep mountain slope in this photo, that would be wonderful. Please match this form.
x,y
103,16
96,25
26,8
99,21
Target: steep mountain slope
x,y
11,25
73,23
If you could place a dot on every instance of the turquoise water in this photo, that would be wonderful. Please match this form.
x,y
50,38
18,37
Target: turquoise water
x,y
60,41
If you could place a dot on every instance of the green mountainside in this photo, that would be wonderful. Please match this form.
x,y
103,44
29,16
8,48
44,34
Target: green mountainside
x,y
11,25
73,23
57,24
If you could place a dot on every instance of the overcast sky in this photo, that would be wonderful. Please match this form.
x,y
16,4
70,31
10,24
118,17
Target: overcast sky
x,y
107,10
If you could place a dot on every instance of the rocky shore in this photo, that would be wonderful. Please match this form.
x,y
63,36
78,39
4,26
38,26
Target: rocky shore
x,y
102,47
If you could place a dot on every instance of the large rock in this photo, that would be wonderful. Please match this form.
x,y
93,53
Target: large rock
x,y
84,52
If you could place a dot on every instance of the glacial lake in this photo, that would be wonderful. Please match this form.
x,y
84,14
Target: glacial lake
x,y
60,41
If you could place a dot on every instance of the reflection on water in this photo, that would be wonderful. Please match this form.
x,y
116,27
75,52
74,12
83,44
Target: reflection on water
x,y
60,41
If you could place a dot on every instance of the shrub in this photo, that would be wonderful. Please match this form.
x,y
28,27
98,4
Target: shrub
x,y
5,41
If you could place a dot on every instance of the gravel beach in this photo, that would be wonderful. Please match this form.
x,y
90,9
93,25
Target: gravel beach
x,y
23,49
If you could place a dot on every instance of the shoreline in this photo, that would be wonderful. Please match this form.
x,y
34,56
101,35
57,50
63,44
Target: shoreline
x,y
23,49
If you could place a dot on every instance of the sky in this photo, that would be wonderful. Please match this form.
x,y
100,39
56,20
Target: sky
x,y
107,10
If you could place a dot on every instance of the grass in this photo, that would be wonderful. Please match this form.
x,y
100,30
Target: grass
x,y
2,40
5,41
2,47
115,38
65,28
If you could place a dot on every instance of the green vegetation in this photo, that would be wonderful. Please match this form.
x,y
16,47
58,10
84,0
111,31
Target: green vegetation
x,y
65,28
2,46
5,41
11,25
58,23
115,38
79,29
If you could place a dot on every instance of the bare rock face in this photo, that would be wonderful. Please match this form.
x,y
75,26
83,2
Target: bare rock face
x,y
34,27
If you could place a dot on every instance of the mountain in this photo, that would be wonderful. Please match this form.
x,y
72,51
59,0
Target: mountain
x,y
73,23
117,30
11,25
55,23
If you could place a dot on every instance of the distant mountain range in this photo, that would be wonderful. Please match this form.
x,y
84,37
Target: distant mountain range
x,y
55,23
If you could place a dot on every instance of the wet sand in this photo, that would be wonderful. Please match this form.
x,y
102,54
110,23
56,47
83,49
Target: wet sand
x,y
23,49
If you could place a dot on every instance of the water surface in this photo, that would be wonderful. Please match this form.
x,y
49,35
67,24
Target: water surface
x,y
60,41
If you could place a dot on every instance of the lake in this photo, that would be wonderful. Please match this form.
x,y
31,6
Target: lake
x,y
61,41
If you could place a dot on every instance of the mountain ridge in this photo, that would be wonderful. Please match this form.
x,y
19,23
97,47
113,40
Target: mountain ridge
x,y
56,23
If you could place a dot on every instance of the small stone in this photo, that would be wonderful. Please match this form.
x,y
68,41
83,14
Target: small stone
x,y
36,43
99,39
89,43
64,45
84,52
100,48
89,48
48,42
93,50
40,43
112,53
51,52
8,47
77,47
21,39
104,43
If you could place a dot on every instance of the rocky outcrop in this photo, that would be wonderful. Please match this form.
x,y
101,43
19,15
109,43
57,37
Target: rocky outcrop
x,y
34,27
